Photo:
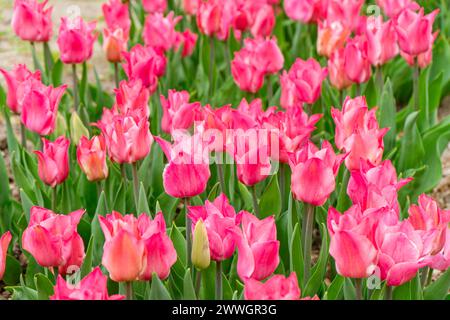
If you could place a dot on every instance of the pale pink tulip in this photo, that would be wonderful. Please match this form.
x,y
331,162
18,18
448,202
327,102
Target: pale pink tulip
x,y
336,70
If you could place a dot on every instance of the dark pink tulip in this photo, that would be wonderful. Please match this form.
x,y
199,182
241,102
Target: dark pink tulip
x,y
76,40
187,40
381,41
221,223
152,6
91,287
336,70
52,239
5,239
258,248
423,59
187,173
248,76
277,287
331,37
356,60
415,31
314,172
306,11
345,11
39,105
302,84
117,16
146,64
263,21
32,21
53,161
91,156
209,15
392,8
266,54
159,31
114,44
132,99
14,79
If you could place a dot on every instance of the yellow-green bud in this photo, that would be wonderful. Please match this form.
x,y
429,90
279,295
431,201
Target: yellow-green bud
x,y
201,257
77,128
61,125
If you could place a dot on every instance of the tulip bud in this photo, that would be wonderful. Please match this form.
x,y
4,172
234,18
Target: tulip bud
x,y
200,247
61,125
77,128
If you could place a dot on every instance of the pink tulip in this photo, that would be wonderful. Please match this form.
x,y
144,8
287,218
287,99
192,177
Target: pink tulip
x,y
276,288
152,6
117,16
91,156
127,136
91,287
314,172
53,161
306,11
415,31
263,21
441,260
345,11
187,173
146,64
423,59
209,15
331,37
114,43
221,223
159,31
375,186
266,54
187,40
52,239
258,248
39,105
132,99
5,239
178,112
246,74
14,79
381,41
356,60
336,69
302,84
191,6
31,21
392,8
76,40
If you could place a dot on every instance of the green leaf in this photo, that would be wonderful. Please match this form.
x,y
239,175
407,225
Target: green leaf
x,y
57,73
334,291
386,116
349,290
296,255
188,287
158,291
86,267
142,202
23,293
44,286
4,183
13,271
246,196
26,204
412,148
270,202
215,192
410,290
96,230
179,243
438,290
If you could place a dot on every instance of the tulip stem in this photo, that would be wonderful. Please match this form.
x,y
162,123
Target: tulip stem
x,y
212,57
342,192
116,74
219,280
23,134
416,72
198,282
388,294
358,89
307,226
129,290
255,201
75,87
379,79
188,233
135,185
35,60
221,177
269,90
54,196
282,184
358,289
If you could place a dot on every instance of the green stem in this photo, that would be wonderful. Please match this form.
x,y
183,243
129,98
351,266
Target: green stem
x,y
269,90
129,290
388,293
416,73
54,197
219,280
198,282
343,191
135,184
221,177
379,79
188,232
307,230
116,74
212,55
341,97
255,201
23,134
75,87
358,289
429,277
358,89
48,59
33,52
282,183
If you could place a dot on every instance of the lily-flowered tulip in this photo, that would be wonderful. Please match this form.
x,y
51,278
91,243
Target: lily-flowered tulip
x,y
441,260
415,31
258,248
246,74
52,239
423,59
392,8
302,84
191,6
114,43
146,64
5,239
14,79
135,248
132,99
375,186
263,21
221,223
336,70
209,15
178,112
39,105
345,11
76,40
91,287
152,6
266,54
117,16
276,288
187,40
187,173
307,11
331,37
356,60
314,172
381,41
91,156
32,21
53,161
159,31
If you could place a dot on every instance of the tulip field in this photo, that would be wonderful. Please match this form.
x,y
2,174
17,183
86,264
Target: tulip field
x,y
224,150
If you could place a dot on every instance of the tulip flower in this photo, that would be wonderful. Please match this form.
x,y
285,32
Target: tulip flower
x,y
441,260
39,105
14,80
302,84
91,156
187,40
114,43
392,8
178,113
146,64
248,76
331,37
258,248
308,11
5,239
32,21
200,255
91,287
221,223
191,6
277,287
336,68
209,15
159,31
381,41
53,161
263,21
76,40
345,11
152,6
132,99
52,239
356,60
117,16
423,59
266,54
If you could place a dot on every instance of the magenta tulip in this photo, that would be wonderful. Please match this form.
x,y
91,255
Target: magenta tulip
x,y
32,21
5,239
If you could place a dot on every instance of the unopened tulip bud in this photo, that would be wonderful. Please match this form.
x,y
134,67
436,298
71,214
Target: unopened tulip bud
x,y
61,125
200,247
77,128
